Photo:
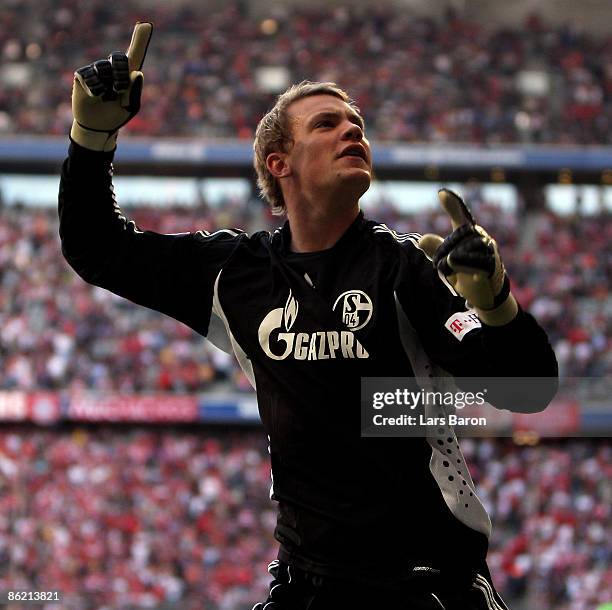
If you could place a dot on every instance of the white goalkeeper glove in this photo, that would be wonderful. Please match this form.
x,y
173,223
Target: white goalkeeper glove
x,y
106,94
469,259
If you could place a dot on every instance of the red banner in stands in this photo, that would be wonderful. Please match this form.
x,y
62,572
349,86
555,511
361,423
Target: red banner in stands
x,y
141,408
561,418
44,407
13,406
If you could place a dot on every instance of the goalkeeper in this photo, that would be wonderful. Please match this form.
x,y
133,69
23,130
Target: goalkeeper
x,y
309,310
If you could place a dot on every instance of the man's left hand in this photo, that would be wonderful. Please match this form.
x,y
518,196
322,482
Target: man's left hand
x,y
470,261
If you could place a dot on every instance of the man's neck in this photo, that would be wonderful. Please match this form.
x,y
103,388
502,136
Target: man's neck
x,y
313,230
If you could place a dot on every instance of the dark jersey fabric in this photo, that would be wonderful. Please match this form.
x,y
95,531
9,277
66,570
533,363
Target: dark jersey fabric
x,y
306,328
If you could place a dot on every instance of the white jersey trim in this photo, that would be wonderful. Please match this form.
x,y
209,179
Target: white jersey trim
x,y
474,516
243,360
228,231
413,238
400,237
480,582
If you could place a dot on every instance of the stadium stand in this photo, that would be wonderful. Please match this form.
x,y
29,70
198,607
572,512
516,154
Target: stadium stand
x,y
134,518
168,517
58,333
416,79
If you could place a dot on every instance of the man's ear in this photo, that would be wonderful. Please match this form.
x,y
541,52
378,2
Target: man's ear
x,y
277,165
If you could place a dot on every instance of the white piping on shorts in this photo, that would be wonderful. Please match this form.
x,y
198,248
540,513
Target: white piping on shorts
x,y
280,584
483,585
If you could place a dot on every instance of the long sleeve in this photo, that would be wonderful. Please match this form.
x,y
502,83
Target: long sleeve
x,y
173,274
459,343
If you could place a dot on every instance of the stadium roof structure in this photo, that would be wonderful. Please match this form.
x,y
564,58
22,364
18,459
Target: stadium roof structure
x,y
222,158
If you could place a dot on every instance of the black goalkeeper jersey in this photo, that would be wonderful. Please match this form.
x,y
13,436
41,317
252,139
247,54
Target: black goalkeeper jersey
x,y
306,328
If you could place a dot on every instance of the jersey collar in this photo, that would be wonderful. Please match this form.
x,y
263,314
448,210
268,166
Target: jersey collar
x,y
349,236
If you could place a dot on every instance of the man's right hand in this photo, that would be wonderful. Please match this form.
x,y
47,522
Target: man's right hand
x,y
106,94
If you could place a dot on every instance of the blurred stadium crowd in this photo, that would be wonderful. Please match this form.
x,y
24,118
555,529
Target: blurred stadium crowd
x,y
121,517
416,79
56,332
139,518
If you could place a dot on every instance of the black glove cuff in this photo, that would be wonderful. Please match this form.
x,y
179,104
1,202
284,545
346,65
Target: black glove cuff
x,y
110,132
503,295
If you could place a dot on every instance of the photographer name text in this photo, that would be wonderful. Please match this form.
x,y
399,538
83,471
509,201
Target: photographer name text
x,y
422,420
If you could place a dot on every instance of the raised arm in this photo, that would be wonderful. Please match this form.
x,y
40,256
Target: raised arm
x,y
468,320
174,274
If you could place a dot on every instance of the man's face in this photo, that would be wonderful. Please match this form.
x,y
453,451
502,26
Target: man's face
x,y
330,152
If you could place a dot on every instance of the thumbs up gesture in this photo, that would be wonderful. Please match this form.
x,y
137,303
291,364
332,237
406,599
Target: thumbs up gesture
x,y
106,94
470,261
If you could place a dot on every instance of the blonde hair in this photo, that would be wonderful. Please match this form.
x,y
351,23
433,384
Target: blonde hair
x,y
273,134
